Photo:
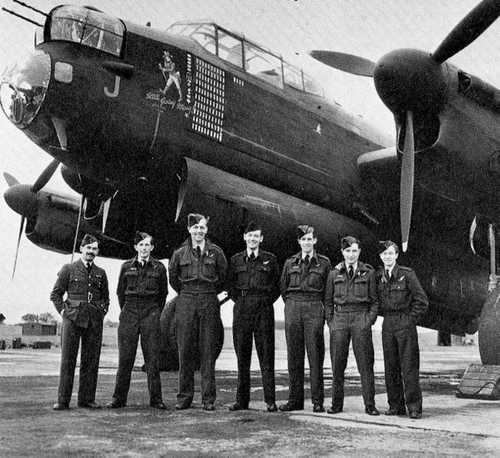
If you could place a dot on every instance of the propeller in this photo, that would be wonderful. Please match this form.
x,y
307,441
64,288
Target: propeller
x,y
45,176
412,81
21,228
346,62
407,180
13,182
468,29
75,240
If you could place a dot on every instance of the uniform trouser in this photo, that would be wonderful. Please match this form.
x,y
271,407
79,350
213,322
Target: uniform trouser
x,y
197,327
132,325
355,326
401,362
89,360
304,324
253,317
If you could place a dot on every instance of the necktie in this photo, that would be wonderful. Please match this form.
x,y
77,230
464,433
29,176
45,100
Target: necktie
x,y
387,274
351,272
306,260
198,251
252,256
89,267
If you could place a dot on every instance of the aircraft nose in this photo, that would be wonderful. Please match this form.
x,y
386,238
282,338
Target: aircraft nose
x,y
23,88
410,80
21,199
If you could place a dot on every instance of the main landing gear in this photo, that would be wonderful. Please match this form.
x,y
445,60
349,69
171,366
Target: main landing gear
x,y
489,321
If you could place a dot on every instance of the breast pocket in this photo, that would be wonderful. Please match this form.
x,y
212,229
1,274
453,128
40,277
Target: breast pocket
x,y
294,275
361,288
208,268
315,278
339,286
187,269
242,276
153,281
398,291
96,281
131,278
77,285
263,273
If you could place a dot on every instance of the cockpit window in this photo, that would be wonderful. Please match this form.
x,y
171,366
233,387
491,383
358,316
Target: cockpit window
x,y
263,64
293,76
254,59
87,27
230,48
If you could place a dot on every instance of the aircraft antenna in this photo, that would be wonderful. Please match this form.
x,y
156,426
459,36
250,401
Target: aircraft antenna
x,y
30,7
22,17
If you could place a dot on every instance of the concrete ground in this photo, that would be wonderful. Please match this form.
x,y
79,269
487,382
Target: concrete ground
x,y
449,427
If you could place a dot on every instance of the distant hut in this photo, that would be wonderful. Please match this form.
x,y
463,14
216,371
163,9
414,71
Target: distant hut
x,y
39,329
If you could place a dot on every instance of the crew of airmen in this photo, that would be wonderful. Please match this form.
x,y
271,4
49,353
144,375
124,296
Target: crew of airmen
x,y
348,297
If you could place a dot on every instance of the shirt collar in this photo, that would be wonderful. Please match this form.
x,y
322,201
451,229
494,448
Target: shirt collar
x,y
202,246
312,256
392,271
85,263
354,266
255,252
138,262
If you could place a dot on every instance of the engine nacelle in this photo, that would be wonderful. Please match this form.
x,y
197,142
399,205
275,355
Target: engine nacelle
x,y
54,225
232,201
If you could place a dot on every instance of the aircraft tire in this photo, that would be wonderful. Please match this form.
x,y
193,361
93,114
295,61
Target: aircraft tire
x,y
489,329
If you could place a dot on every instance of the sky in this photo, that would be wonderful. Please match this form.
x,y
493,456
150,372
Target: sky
x,y
369,28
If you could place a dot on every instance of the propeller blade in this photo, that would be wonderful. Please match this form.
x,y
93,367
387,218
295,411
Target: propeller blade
x,y
105,213
75,240
346,62
472,230
468,29
45,176
21,227
407,178
10,180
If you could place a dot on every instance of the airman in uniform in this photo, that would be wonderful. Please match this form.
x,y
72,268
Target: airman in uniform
x,y
402,301
87,301
351,305
253,285
142,290
302,287
197,272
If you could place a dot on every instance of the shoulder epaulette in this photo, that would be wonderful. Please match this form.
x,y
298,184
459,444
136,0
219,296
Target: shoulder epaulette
x,y
407,269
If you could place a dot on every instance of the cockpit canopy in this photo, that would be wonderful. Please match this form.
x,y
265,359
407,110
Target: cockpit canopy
x,y
252,58
85,26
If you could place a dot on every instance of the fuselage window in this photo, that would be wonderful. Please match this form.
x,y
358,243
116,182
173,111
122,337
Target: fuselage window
x,y
263,64
87,27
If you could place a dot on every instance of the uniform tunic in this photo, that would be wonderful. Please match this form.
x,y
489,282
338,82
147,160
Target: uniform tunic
x,y
253,286
141,295
302,286
197,279
403,301
351,309
83,311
